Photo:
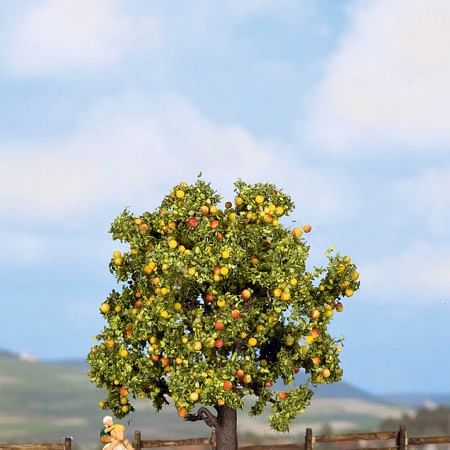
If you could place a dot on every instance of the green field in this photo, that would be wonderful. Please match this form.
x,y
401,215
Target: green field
x,y
45,402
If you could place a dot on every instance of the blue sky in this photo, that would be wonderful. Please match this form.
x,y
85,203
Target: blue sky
x,y
345,105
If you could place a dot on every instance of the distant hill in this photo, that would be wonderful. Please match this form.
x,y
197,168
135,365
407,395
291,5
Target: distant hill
x,y
74,363
49,400
344,390
417,399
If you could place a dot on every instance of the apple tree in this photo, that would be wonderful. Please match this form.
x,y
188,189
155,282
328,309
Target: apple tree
x,y
216,304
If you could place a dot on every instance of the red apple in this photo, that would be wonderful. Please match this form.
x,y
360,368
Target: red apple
x,y
268,384
315,332
123,391
143,228
204,210
227,385
138,304
240,373
218,343
155,357
235,314
219,325
283,395
208,297
214,223
246,294
219,236
165,361
192,222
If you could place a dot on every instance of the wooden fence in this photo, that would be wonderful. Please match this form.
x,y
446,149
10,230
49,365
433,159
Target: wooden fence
x,y
66,445
398,441
384,440
139,444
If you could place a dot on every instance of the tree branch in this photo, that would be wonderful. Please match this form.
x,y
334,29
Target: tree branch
x,y
203,414
247,305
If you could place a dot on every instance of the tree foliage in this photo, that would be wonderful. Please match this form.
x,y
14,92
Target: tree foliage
x,y
217,304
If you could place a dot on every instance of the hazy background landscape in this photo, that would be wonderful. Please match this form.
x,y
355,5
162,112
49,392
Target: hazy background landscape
x,y
109,103
41,401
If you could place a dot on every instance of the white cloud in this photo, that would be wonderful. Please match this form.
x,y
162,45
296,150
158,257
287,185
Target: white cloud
x,y
60,38
55,37
427,196
388,80
131,149
419,274
224,31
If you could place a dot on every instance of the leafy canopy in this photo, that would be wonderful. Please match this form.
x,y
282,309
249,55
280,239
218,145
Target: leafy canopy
x,y
216,305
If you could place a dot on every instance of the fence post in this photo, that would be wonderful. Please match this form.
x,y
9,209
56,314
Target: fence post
x,y
67,443
137,440
308,439
402,438
212,439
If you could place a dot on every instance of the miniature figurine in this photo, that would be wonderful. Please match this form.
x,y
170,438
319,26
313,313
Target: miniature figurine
x,y
113,435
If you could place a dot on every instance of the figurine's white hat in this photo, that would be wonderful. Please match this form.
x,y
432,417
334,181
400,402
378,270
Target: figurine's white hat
x,y
107,419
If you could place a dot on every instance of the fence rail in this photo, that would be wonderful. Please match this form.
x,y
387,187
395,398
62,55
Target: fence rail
x,y
399,441
381,436
139,444
429,440
66,445
400,438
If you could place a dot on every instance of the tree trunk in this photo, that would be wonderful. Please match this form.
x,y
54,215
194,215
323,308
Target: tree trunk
x,y
224,424
226,429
